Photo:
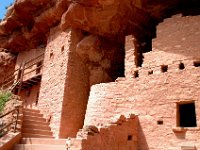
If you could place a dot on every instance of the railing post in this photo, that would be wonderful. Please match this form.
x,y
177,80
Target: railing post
x,y
17,109
21,78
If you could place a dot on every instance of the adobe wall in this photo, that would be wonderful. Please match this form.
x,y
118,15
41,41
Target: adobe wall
x,y
76,91
64,86
152,98
177,39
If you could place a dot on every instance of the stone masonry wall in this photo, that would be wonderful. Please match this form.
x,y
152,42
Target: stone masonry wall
x,y
76,91
65,86
120,134
53,77
129,55
153,98
177,39
153,94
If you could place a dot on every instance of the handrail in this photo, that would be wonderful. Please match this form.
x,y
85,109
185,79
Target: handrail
x,y
13,86
7,80
26,67
27,62
1,116
7,84
10,76
2,132
21,78
17,77
33,69
8,125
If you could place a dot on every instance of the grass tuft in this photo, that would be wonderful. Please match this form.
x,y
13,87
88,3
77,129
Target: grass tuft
x,y
4,97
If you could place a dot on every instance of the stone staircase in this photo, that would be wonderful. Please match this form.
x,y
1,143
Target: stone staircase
x,y
36,133
34,125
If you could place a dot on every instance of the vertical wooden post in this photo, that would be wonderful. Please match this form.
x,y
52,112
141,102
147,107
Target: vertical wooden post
x,y
17,109
21,78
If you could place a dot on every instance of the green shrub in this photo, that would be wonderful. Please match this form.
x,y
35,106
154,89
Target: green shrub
x,y
4,97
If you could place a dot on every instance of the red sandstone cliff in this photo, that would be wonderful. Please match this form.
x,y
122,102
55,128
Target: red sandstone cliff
x,y
27,22
7,64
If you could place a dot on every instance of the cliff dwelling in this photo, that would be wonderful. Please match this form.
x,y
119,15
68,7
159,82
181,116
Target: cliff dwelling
x,y
102,74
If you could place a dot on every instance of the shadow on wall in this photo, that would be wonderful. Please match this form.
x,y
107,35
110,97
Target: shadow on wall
x,y
142,143
118,135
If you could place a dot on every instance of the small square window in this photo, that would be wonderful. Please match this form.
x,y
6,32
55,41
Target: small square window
x,y
136,74
130,137
186,115
196,63
164,68
150,72
160,122
181,66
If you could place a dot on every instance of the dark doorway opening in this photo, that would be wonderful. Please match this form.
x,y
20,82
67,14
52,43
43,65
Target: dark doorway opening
x,y
187,115
38,69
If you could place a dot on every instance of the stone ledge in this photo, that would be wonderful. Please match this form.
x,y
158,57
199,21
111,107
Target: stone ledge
x,y
184,129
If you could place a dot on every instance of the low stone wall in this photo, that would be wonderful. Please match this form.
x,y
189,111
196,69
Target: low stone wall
x,y
118,135
9,141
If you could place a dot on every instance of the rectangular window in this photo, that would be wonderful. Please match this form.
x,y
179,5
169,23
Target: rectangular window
x,y
38,67
186,115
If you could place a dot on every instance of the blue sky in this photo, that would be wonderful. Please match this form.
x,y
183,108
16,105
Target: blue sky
x,y
3,4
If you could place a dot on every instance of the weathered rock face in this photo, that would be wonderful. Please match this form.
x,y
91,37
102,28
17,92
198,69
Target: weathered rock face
x,y
92,53
28,28
106,18
28,22
7,64
104,59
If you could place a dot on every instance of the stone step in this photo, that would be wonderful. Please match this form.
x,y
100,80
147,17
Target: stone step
x,y
32,114
43,141
29,135
36,131
30,110
37,119
20,117
36,126
38,147
25,122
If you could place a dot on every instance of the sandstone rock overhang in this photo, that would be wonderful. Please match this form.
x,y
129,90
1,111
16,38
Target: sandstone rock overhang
x,y
27,22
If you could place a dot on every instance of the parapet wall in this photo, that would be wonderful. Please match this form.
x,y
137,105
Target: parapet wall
x,y
153,98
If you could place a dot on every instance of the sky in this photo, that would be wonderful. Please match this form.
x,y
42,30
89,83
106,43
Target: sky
x,y
3,4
